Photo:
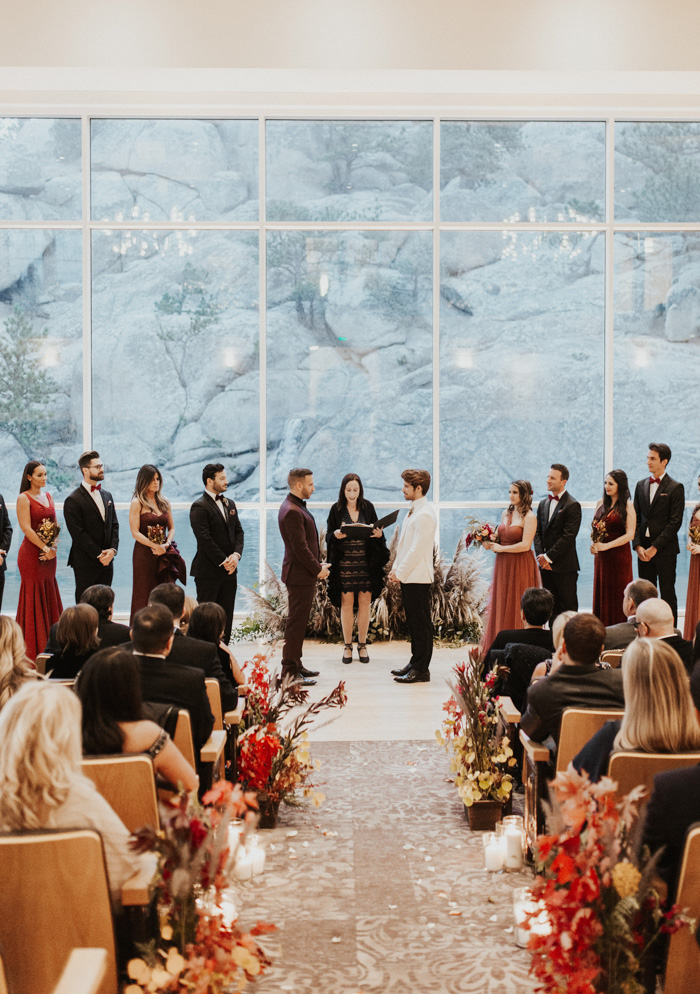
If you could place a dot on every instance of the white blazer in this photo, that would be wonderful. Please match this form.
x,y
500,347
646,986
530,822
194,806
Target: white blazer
x,y
414,555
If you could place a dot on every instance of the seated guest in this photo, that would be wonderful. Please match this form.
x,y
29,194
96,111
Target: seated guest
x,y
655,621
190,605
536,606
109,688
76,634
101,597
659,714
620,636
15,668
164,682
553,664
41,783
695,658
194,650
578,683
207,623
673,807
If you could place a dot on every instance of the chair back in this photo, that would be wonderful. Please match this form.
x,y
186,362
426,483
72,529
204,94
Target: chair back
x,y
54,897
683,962
578,726
183,737
128,784
214,695
41,661
613,657
634,769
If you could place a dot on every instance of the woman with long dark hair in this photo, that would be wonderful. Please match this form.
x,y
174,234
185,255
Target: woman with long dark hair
x,y
357,563
76,634
612,531
156,559
207,623
109,688
692,600
39,599
515,568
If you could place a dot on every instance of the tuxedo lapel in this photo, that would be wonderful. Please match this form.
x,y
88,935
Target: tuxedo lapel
x,y
661,489
92,506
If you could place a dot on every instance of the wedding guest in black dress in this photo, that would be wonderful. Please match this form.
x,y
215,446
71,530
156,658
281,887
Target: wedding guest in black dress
x,y
357,563
78,640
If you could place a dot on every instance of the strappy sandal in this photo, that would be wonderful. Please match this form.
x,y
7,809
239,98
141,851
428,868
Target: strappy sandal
x,y
362,647
346,649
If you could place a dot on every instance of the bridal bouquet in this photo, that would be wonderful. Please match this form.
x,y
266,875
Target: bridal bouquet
x,y
156,534
598,530
481,532
694,534
48,531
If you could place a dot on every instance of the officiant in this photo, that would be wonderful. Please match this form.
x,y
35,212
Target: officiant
x,y
357,558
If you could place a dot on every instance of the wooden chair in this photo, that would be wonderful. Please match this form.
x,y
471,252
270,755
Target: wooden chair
x,y
509,710
128,784
41,661
632,769
536,764
83,973
578,726
613,657
54,898
683,962
211,754
228,722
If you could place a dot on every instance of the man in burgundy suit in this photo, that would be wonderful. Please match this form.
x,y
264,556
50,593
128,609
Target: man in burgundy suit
x,y
301,570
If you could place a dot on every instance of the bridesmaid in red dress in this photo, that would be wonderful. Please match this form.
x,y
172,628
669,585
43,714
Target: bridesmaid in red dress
x,y
39,600
612,531
515,568
692,600
151,523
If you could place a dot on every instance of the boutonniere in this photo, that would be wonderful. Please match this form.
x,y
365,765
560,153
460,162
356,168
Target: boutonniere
x,y
232,512
225,500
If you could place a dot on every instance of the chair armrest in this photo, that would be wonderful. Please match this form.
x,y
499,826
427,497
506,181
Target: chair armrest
x,y
83,972
234,717
535,751
137,889
213,748
510,712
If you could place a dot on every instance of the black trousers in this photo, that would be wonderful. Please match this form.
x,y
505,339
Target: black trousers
x,y
2,587
87,575
301,598
221,590
562,587
661,571
416,604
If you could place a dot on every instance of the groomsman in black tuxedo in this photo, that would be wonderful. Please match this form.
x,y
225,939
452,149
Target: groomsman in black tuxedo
x,y
91,519
659,501
219,533
558,523
5,540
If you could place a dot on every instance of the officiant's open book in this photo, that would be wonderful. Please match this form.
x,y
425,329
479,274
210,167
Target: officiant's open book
x,y
362,531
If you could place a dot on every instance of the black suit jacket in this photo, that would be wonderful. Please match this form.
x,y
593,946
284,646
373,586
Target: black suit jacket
x,y
663,516
673,808
683,648
571,686
556,536
302,558
205,656
90,534
5,533
165,682
217,538
109,632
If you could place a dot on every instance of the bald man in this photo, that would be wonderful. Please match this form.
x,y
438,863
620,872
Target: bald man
x,y
654,620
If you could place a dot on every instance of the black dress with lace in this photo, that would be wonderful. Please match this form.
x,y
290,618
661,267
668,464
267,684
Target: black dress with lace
x,y
354,567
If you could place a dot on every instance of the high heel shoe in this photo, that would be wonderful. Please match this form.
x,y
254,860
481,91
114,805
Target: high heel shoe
x,y
362,648
348,648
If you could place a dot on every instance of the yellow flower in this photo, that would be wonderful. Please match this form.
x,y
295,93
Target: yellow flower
x,y
246,960
166,933
175,963
626,879
133,989
159,978
318,799
138,971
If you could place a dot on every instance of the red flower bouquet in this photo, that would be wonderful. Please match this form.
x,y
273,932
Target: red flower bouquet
x,y
481,531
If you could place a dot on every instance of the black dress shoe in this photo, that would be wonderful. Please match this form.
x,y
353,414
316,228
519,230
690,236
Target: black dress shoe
x,y
403,671
305,672
413,676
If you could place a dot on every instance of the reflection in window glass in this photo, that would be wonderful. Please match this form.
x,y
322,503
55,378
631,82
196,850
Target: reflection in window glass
x,y
349,357
521,361
174,170
514,171
657,345
40,354
175,373
657,171
349,170
40,169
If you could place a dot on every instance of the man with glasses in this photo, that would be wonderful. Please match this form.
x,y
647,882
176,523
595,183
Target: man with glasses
x,y
91,519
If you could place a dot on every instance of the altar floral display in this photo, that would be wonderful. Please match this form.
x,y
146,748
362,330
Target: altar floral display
x,y
274,758
597,893
473,736
199,950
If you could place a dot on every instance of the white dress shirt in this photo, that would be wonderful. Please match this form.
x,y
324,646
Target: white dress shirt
x,y
653,489
414,555
97,497
219,503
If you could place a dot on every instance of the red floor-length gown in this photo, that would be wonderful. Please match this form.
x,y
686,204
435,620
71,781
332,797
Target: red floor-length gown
x,y
513,572
39,599
692,600
612,573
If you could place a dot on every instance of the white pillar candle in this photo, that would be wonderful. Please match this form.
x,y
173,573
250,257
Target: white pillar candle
x,y
257,856
513,848
494,855
244,865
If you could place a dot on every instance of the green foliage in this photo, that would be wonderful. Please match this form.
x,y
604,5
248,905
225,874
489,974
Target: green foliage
x,y
26,388
670,153
475,151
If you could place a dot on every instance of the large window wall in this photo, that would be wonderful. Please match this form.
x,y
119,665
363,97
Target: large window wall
x,y
477,297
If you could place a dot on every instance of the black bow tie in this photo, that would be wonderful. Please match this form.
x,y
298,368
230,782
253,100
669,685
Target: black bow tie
x,y
219,497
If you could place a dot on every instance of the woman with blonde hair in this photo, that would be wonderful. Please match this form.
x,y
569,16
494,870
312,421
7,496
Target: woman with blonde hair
x,y
41,783
15,667
659,713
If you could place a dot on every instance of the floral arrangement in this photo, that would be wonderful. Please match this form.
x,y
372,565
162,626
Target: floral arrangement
x,y
596,892
274,758
48,531
480,756
598,530
204,952
694,534
156,534
481,531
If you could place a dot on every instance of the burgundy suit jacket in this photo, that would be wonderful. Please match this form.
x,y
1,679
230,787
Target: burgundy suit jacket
x,y
302,558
